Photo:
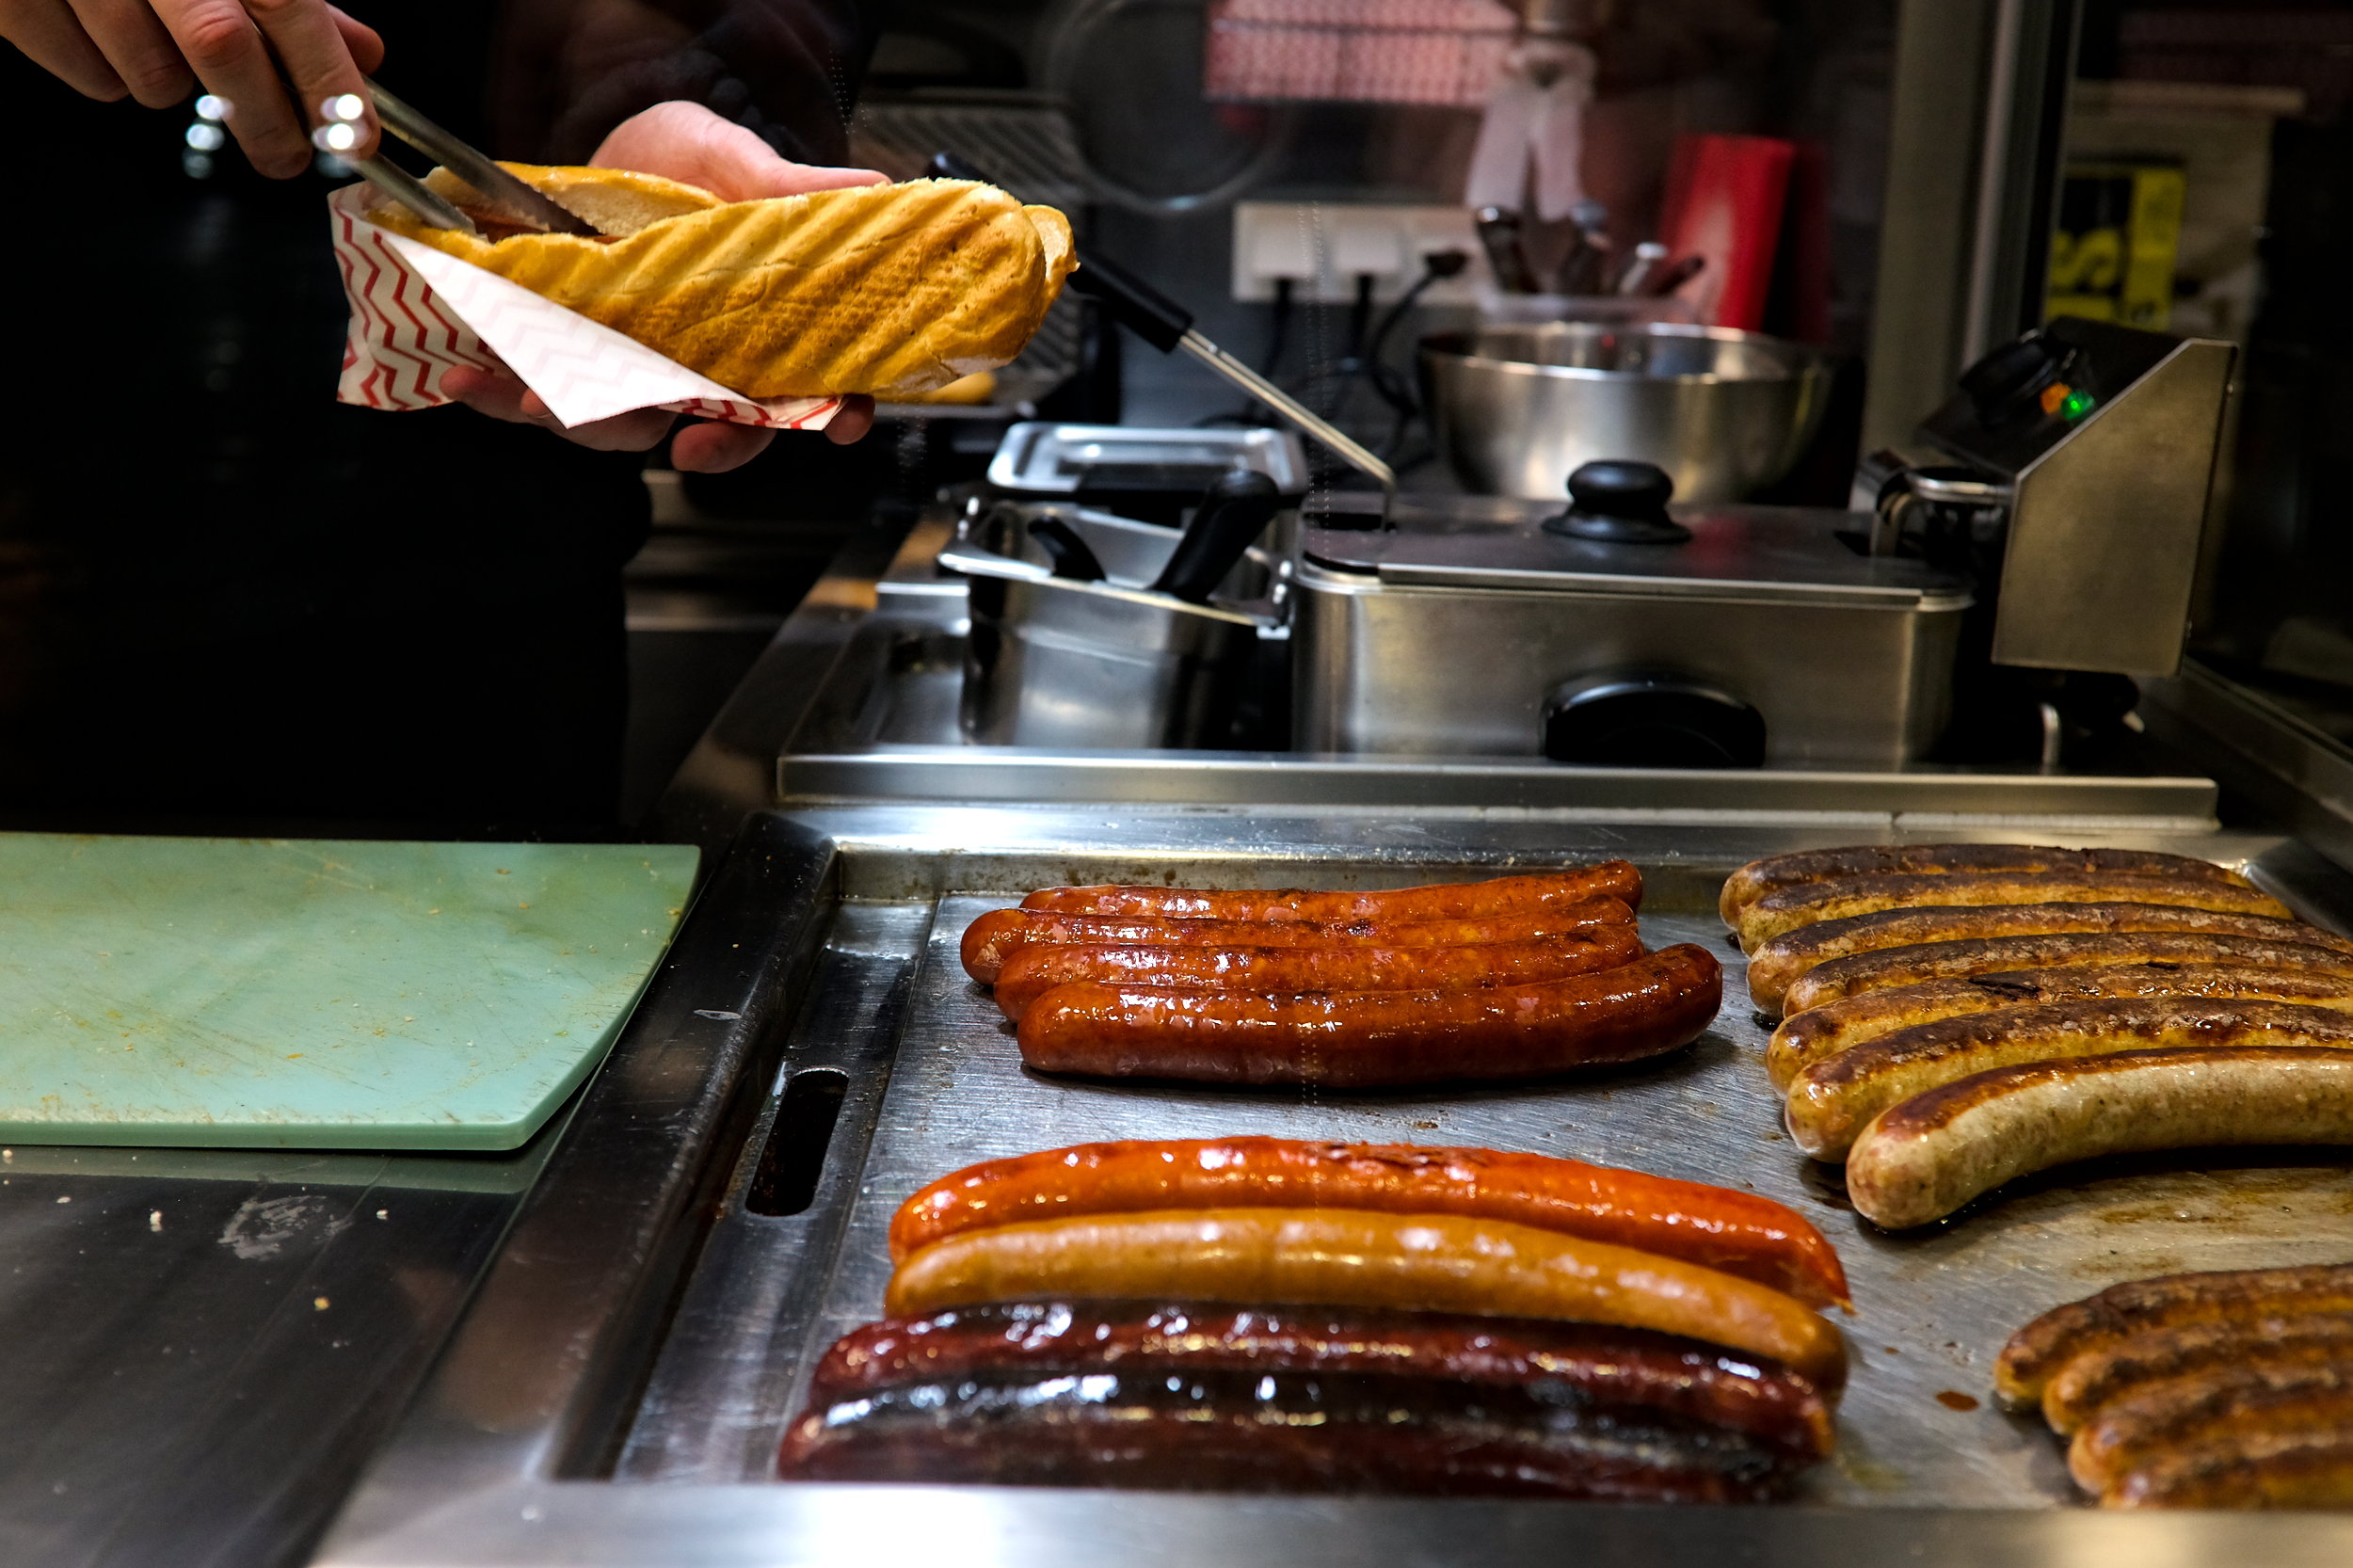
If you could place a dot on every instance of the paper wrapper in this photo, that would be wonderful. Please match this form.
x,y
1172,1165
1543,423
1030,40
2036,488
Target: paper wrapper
x,y
417,312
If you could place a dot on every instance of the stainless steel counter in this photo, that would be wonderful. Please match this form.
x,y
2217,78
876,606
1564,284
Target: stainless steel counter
x,y
857,700
615,1393
199,1348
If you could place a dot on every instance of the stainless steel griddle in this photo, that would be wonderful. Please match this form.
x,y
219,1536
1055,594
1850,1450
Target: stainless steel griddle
x,y
616,1393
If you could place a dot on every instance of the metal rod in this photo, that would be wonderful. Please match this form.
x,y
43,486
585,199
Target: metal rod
x,y
1289,407
406,189
461,158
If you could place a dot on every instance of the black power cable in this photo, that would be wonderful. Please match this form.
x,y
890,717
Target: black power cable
x,y
1395,389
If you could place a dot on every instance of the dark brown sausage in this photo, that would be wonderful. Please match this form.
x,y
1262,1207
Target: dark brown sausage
x,y
1778,968
992,939
2220,1403
1031,972
2305,1466
1831,1101
1501,895
1272,1431
1759,877
1819,1034
2082,1387
1606,1368
1813,902
2102,1322
1377,1039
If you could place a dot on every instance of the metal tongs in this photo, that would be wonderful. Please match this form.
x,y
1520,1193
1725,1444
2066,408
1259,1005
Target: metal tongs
x,y
1168,326
532,208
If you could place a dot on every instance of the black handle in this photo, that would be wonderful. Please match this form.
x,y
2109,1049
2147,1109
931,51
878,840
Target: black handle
x,y
1069,553
1234,510
1132,302
1617,502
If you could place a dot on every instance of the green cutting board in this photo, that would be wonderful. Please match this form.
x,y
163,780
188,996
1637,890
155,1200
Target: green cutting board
x,y
315,993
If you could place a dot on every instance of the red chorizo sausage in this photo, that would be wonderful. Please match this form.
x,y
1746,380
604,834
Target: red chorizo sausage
x,y
1501,895
992,939
1738,1233
1031,972
1376,1039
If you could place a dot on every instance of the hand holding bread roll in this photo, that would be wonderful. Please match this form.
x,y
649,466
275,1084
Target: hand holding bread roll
x,y
889,290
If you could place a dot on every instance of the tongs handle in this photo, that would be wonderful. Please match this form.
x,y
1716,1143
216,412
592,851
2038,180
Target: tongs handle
x,y
1168,326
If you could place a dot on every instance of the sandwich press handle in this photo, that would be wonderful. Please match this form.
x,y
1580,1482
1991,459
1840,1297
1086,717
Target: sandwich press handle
x,y
1235,510
1168,326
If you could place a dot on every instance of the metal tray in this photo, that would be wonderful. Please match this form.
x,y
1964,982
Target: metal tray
x,y
686,1372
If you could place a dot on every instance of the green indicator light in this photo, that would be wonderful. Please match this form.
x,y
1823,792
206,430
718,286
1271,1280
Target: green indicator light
x,y
2077,405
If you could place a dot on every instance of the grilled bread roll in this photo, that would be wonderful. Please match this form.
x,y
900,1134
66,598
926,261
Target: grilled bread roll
x,y
894,290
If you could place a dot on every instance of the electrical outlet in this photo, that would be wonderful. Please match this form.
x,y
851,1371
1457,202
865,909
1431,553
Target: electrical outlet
x,y
1323,247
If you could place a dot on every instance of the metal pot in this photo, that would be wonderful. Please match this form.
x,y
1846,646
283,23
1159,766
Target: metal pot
x,y
1517,409
1055,662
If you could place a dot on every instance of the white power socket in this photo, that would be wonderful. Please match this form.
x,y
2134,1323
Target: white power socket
x,y
1324,247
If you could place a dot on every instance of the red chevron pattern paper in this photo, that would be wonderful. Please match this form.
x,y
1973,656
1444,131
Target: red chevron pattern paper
x,y
417,312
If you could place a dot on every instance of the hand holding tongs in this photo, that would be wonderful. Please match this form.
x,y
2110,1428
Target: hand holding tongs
x,y
533,208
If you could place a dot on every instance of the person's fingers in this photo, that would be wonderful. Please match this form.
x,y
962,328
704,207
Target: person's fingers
x,y
221,43
487,392
707,446
640,430
503,397
366,45
686,141
306,39
856,418
54,39
142,54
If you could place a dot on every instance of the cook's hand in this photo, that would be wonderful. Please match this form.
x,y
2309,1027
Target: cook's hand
x,y
156,50
687,142
703,446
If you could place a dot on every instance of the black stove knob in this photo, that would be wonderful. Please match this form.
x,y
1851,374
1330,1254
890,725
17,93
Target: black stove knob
x,y
2002,386
1620,501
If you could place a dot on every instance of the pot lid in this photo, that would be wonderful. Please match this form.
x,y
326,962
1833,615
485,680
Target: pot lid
x,y
1790,554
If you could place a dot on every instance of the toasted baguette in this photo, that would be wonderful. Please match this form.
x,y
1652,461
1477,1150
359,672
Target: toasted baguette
x,y
892,289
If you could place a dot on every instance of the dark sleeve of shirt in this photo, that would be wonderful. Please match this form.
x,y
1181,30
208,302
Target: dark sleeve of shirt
x,y
567,71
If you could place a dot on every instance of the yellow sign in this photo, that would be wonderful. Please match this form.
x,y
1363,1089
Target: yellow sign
x,y
2114,247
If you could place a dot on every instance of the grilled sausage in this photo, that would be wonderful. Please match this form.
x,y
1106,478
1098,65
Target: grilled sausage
x,y
1715,1226
1272,1431
1777,968
1593,1367
2304,1467
1810,904
2084,1385
1759,877
1821,1033
1358,1259
992,939
2103,1323
2221,1403
1030,972
1446,901
1376,1039
1925,1157
1832,1100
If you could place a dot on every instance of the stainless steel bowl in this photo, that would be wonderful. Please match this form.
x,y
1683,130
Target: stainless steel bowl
x,y
1517,407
